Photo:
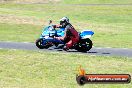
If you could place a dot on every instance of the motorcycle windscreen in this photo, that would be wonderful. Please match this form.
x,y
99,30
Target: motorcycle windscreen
x,y
48,31
86,34
45,31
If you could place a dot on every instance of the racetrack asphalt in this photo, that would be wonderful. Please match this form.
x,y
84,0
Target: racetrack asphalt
x,y
123,52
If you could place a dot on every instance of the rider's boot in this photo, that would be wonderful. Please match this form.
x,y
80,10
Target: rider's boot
x,y
60,46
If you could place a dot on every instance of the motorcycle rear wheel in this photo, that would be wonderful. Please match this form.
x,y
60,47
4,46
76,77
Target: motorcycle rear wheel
x,y
84,45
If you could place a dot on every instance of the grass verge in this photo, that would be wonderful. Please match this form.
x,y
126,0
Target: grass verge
x,y
33,69
73,1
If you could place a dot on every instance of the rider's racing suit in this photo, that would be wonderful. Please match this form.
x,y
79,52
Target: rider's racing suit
x,y
71,36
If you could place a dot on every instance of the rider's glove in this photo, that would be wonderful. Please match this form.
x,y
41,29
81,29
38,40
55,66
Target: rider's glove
x,y
54,26
57,26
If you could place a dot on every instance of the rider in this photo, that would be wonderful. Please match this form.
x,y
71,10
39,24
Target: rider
x,y
71,36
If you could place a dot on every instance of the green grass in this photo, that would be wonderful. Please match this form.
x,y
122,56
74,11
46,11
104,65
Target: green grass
x,y
32,69
111,24
75,1
19,32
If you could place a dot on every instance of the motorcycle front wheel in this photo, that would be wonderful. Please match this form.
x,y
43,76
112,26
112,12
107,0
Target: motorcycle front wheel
x,y
84,45
39,44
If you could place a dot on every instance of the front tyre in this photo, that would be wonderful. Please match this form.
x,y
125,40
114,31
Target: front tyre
x,y
39,44
84,45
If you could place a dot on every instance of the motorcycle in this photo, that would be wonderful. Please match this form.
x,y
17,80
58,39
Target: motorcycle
x,y
47,39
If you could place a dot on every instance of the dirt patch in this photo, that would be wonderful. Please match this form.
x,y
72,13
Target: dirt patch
x,y
31,1
21,20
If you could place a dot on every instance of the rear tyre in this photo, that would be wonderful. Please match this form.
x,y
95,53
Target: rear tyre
x,y
84,45
39,44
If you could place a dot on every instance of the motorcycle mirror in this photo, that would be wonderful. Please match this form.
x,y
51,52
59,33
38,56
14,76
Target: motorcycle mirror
x,y
50,21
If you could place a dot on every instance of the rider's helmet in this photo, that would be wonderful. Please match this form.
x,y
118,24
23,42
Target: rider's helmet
x,y
64,21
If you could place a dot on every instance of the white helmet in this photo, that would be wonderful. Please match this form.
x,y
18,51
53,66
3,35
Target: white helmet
x,y
64,21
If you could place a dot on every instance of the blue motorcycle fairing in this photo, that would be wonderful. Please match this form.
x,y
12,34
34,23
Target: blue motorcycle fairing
x,y
46,31
50,31
61,31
